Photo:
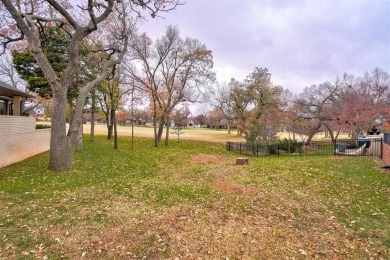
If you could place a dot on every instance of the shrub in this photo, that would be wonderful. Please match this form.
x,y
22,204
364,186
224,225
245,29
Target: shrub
x,y
289,145
273,149
42,126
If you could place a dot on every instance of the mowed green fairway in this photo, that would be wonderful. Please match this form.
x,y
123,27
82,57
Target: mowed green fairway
x,y
190,200
191,133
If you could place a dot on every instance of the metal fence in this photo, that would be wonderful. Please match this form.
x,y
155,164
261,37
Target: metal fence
x,y
365,147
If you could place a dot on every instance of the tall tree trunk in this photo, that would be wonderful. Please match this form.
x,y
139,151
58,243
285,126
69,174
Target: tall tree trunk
x,y
110,124
155,122
79,140
228,126
115,132
132,134
160,128
92,134
75,132
61,149
355,134
70,106
107,116
331,133
313,132
167,130
155,131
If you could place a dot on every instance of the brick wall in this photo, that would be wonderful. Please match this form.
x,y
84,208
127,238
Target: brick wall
x,y
386,153
20,140
386,149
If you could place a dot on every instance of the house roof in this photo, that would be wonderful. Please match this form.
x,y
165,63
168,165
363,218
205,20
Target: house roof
x,y
9,91
195,121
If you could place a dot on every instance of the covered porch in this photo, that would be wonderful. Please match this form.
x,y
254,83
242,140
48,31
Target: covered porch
x,y
12,100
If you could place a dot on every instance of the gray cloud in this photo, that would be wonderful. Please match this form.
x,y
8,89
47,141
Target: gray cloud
x,y
300,42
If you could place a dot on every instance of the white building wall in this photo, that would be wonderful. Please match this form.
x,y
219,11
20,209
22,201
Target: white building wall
x,y
20,140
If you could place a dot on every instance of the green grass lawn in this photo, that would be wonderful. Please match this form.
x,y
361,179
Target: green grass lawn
x,y
190,200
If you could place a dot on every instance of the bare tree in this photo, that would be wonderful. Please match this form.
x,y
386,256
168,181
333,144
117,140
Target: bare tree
x,y
349,104
8,72
111,97
24,21
173,70
316,105
181,116
221,99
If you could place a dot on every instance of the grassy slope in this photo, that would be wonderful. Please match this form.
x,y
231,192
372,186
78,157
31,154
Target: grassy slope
x,y
190,200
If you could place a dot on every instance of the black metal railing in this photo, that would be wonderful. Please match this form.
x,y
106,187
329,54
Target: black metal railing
x,y
367,147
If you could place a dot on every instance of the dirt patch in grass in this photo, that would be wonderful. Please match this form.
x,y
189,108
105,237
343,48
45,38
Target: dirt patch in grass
x,y
211,158
235,188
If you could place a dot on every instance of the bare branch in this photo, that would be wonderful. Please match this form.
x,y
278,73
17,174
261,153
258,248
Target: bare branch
x,y
10,40
64,13
45,19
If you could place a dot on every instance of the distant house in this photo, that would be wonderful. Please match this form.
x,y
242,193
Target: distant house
x,y
38,111
11,100
189,122
192,122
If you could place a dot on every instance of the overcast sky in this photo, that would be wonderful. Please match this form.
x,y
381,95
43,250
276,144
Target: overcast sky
x,y
300,42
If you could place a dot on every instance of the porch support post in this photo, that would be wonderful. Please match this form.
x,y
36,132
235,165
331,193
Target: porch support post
x,y
17,105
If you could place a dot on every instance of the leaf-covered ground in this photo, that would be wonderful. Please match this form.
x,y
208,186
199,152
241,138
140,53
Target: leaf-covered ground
x,y
190,201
